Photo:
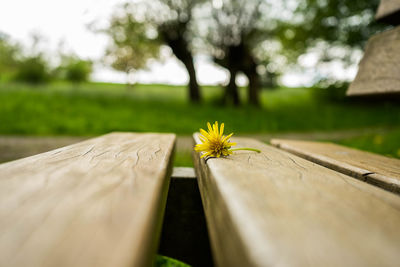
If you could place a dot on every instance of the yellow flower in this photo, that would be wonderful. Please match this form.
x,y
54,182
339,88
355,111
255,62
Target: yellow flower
x,y
214,143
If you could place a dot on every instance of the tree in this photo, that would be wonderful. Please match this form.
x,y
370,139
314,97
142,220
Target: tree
x,y
73,69
173,19
33,66
140,28
233,35
33,69
132,42
78,70
333,29
9,55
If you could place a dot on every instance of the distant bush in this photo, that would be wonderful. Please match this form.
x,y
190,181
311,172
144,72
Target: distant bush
x,y
333,92
74,69
33,69
78,71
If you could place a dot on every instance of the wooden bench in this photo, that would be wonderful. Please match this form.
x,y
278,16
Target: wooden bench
x,y
96,203
389,12
371,168
276,209
100,203
379,69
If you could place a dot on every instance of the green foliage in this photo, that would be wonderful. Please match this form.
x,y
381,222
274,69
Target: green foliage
x,y
331,29
9,53
74,69
33,69
132,44
79,71
94,109
385,143
163,261
331,91
183,158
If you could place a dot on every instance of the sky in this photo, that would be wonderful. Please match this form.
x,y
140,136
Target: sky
x,y
67,21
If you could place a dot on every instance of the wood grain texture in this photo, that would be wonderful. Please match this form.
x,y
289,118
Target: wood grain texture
x,y
389,12
95,203
276,209
379,70
372,168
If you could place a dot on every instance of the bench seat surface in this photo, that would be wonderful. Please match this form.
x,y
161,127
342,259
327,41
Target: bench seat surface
x,y
379,69
376,169
95,203
276,209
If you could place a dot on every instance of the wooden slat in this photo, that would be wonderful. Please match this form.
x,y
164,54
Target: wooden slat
x,y
389,12
95,203
379,70
372,168
183,172
276,209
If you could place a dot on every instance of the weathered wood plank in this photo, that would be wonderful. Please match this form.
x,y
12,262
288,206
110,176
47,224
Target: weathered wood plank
x,y
183,172
95,203
389,12
372,168
276,209
379,70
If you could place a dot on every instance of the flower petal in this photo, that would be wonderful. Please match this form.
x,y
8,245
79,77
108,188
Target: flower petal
x,y
205,134
226,138
215,128
221,131
209,127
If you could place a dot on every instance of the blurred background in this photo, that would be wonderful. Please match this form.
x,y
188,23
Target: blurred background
x,y
74,69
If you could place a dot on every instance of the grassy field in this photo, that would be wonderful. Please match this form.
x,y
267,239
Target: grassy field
x,y
91,109
387,144
96,108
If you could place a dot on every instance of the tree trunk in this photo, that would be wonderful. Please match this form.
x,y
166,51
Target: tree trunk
x,y
174,38
254,82
193,86
254,89
129,85
231,90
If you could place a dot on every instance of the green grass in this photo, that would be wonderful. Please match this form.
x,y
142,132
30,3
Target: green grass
x,y
387,144
183,159
92,109
97,108
163,261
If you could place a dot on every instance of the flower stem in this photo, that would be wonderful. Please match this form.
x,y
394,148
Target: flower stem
x,y
246,148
